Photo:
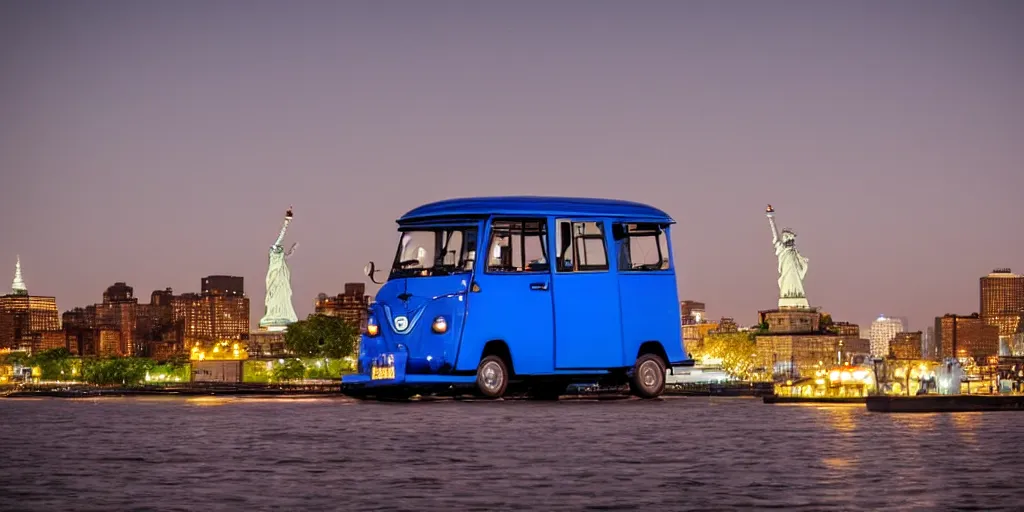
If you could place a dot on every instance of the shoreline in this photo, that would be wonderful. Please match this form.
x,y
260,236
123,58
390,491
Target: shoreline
x,y
212,389
322,389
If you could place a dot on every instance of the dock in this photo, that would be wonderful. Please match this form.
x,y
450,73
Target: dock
x,y
776,399
946,403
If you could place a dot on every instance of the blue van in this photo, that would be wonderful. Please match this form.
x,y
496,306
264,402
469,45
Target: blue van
x,y
530,293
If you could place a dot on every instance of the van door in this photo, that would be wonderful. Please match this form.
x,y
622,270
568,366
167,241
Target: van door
x,y
588,332
511,300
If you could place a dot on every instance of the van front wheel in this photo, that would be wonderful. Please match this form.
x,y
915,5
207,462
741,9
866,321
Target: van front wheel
x,y
648,380
492,377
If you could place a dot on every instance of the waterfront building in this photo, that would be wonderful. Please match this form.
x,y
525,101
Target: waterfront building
x,y
797,355
28,322
79,330
1002,303
692,312
882,331
966,336
1016,345
727,324
117,314
693,337
929,349
352,306
120,326
109,342
846,329
854,350
220,312
906,345
158,332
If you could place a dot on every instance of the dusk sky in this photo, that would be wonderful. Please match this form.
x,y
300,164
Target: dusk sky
x,y
159,142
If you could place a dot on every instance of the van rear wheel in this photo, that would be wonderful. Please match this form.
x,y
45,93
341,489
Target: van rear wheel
x,y
648,380
492,377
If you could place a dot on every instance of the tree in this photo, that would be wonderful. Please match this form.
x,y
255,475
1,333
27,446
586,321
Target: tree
x,y
737,351
116,370
53,364
13,358
290,369
826,324
321,336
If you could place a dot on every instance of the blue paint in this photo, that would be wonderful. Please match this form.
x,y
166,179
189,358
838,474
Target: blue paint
x,y
537,205
559,293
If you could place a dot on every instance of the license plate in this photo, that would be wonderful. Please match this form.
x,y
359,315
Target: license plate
x,y
382,372
383,368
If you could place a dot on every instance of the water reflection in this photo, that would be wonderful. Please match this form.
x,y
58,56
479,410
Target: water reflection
x,y
693,453
965,423
208,401
843,418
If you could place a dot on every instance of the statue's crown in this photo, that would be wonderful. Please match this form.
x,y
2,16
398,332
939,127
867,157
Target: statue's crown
x,y
788,230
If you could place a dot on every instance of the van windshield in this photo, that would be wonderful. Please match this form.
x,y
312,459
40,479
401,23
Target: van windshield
x,y
435,251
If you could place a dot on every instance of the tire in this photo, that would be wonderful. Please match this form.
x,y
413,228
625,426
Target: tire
x,y
648,380
492,377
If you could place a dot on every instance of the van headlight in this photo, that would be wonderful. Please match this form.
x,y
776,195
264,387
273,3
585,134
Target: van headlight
x,y
440,325
372,329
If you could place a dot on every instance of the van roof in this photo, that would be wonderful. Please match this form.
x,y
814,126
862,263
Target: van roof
x,y
536,205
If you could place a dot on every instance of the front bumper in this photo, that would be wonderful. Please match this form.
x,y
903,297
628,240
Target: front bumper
x,y
398,362
363,380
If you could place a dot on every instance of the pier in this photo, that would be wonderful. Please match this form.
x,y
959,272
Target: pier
x,y
946,403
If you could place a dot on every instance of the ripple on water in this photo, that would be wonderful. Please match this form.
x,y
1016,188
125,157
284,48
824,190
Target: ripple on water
x,y
693,453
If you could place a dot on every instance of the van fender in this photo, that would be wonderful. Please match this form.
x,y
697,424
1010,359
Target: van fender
x,y
497,347
649,347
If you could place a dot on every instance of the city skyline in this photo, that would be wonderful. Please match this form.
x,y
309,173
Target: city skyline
x,y
254,324
148,147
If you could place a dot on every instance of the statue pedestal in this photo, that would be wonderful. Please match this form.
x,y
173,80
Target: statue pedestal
x,y
274,324
264,343
794,302
790,320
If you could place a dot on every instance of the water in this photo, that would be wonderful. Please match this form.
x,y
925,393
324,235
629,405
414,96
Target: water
x,y
332,453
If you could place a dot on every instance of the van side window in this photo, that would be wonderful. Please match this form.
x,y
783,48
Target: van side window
x,y
518,246
581,246
641,247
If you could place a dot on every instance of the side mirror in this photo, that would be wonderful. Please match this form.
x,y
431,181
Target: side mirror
x,y
370,269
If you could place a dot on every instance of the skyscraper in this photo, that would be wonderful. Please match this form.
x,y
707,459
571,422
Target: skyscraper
x,y
28,322
882,331
18,286
1002,302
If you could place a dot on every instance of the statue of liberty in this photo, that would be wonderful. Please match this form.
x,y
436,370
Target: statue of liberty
x,y
280,312
792,266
